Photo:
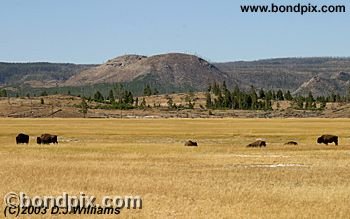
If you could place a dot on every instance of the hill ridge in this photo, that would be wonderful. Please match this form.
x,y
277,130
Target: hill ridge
x,y
179,72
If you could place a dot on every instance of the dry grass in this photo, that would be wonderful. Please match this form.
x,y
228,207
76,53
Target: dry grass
x,y
220,179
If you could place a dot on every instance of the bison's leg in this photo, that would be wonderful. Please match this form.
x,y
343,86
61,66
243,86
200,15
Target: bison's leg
x,y
336,142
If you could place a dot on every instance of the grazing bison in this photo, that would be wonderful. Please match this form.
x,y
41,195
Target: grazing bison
x,y
328,139
22,138
191,143
258,143
291,143
47,139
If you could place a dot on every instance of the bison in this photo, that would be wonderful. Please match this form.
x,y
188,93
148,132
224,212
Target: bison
x,y
191,143
291,143
258,143
47,139
22,138
325,139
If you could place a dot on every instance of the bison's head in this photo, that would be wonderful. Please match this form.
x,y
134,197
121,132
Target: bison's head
x,y
320,140
38,140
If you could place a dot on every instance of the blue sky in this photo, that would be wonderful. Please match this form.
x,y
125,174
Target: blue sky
x,y
93,31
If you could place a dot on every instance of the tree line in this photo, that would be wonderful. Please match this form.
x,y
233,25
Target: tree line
x,y
117,98
218,96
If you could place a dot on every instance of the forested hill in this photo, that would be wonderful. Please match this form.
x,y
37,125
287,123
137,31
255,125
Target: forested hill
x,y
321,76
176,72
38,74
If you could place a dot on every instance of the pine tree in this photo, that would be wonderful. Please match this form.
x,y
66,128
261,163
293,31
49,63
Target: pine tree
x,y
111,96
267,104
279,95
248,102
269,95
309,101
299,102
338,98
118,92
155,91
3,93
236,98
274,95
143,103
216,89
310,97
127,98
261,94
98,97
170,102
219,101
254,98
147,91
288,96
84,107
137,102
323,104
209,103
227,98
209,88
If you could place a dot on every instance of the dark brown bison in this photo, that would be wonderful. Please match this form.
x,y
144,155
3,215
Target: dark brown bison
x,y
47,139
191,143
22,138
325,139
258,143
291,143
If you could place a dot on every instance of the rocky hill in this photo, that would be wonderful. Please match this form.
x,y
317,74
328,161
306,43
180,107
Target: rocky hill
x,y
324,85
173,70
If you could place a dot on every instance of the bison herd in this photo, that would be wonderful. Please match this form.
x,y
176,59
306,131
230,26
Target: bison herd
x,y
325,139
48,139
43,139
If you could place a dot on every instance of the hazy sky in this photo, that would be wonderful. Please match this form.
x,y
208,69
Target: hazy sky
x,y
92,31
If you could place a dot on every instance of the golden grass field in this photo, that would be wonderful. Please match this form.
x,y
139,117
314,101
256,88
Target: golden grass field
x,y
219,179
